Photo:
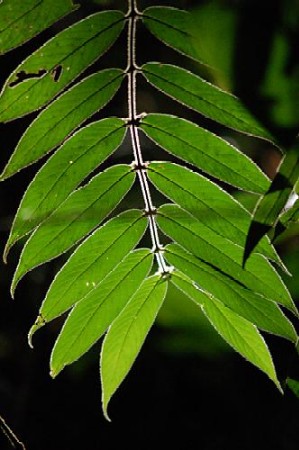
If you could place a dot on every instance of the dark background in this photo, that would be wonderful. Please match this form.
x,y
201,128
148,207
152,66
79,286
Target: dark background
x,y
187,389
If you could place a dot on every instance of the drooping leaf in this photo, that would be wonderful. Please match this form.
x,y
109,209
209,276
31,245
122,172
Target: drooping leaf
x,y
58,62
242,335
127,334
63,172
209,100
91,317
61,117
205,150
272,203
259,276
255,308
96,257
21,21
173,27
81,212
206,201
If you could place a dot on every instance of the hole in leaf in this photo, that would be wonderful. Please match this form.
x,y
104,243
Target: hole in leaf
x,y
56,72
22,76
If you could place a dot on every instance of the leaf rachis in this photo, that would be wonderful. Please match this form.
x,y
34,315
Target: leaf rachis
x,y
132,69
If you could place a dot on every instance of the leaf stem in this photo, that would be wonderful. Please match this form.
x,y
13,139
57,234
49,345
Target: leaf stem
x,y
139,165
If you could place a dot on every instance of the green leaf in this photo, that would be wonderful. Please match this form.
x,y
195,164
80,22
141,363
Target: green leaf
x,y
265,314
288,218
57,63
97,256
211,22
127,334
242,335
270,206
209,100
21,21
206,201
61,117
82,211
291,215
223,255
206,151
294,386
63,172
91,317
173,27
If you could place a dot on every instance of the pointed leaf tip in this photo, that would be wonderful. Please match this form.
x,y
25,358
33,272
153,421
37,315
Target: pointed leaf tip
x,y
127,334
105,411
53,374
39,323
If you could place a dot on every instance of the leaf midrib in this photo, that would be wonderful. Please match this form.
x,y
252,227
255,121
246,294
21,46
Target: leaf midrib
x,y
208,156
85,152
133,319
70,112
240,120
240,337
230,286
219,250
168,25
82,212
115,287
203,203
20,17
75,279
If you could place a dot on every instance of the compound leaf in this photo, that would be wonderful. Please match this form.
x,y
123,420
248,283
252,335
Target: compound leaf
x,y
57,63
82,211
91,317
61,117
206,151
95,258
127,334
198,94
63,172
